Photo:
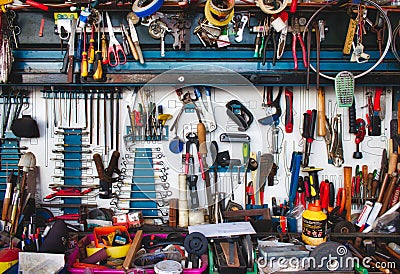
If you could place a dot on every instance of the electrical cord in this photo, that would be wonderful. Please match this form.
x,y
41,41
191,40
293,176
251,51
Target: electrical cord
x,y
389,40
394,38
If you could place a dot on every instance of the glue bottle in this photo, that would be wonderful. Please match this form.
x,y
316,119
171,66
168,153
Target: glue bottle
x,y
314,224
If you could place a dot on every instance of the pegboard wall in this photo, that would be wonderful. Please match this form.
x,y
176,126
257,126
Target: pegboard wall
x,y
55,111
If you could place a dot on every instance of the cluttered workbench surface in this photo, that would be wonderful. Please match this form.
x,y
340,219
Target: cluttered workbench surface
x,y
215,136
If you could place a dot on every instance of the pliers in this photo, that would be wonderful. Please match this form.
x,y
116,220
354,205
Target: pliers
x,y
268,34
297,36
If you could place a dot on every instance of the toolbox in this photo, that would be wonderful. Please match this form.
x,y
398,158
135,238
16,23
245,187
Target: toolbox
x,y
75,255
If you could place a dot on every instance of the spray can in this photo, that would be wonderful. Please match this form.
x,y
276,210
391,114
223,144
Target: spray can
x,y
314,225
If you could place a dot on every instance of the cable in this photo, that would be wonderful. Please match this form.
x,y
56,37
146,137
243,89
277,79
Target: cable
x,y
389,31
394,49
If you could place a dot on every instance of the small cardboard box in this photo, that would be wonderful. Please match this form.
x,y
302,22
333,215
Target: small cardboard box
x,y
40,263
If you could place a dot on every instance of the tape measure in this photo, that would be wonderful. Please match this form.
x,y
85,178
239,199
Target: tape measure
x,y
351,30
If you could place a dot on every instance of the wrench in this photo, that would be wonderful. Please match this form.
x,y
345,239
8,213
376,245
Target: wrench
x,y
164,185
163,194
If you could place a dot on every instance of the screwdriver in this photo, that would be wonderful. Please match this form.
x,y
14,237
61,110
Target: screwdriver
x,y
91,47
104,53
98,66
84,64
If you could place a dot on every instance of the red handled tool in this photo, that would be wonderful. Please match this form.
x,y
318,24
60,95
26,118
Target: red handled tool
x,y
297,36
289,111
193,139
293,6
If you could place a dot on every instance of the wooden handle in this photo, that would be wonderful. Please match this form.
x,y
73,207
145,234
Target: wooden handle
x,y
139,51
136,243
132,47
321,113
347,186
99,165
383,187
6,202
375,185
388,195
364,170
392,163
201,134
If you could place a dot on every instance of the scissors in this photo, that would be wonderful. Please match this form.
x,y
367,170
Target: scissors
x,y
114,47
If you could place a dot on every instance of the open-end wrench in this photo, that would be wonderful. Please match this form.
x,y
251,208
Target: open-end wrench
x,y
121,184
162,194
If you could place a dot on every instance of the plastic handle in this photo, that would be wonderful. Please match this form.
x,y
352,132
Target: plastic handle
x,y
289,111
293,6
306,125
294,53
313,121
37,5
352,118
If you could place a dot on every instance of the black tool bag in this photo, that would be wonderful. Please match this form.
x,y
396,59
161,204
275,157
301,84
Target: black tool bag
x,y
25,127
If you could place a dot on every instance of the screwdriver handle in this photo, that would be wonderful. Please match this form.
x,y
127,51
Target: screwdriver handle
x,y
313,121
91,47
104,53
98,66
84,65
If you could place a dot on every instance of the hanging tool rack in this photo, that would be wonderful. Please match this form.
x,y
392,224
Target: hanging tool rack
x,y
38,59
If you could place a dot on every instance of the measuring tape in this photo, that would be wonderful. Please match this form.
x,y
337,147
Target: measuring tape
x,y
350,36
147,10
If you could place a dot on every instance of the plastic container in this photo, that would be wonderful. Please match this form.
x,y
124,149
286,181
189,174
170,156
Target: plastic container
x,y
168,267
8,258
314,225
112,251
74,256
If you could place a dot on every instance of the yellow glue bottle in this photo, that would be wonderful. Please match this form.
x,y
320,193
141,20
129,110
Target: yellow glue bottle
x,y
314,225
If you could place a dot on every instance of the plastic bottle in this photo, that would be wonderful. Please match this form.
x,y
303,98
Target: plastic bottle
x,y
314,225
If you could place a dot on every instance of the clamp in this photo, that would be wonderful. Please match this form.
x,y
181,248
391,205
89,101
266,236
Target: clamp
x,y
272,104
239,114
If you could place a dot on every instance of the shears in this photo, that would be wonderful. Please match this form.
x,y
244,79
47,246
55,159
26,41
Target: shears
x,y
114,47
